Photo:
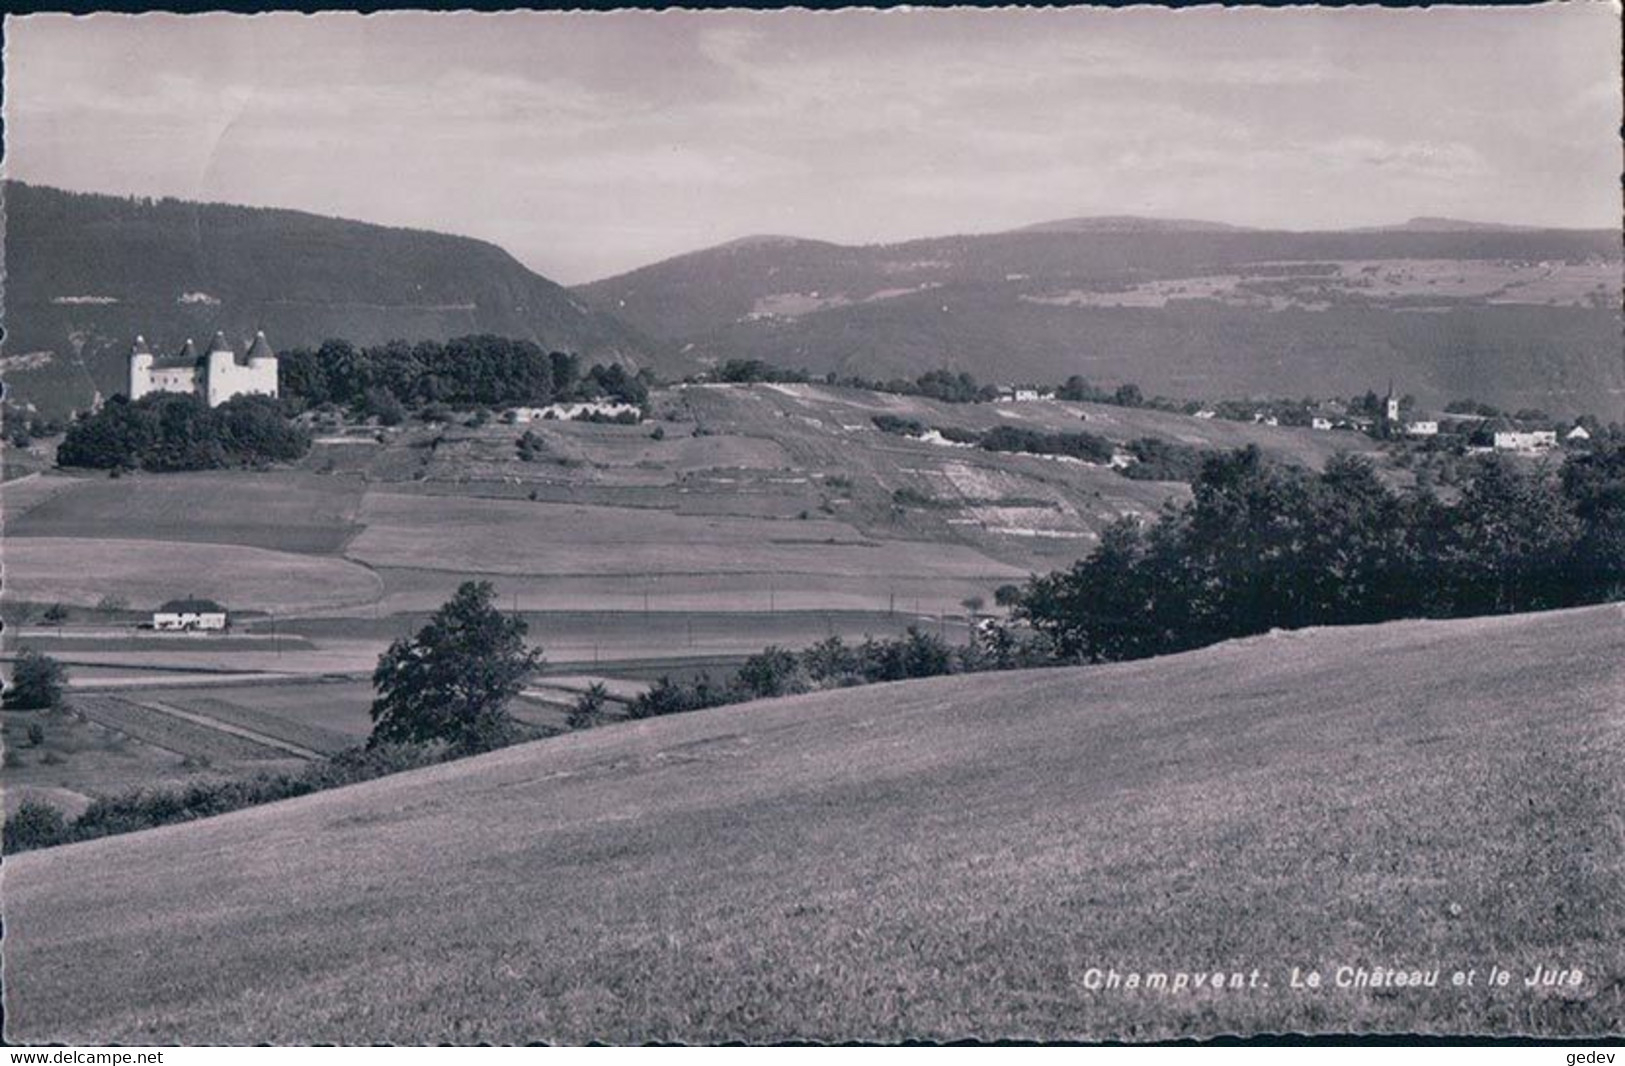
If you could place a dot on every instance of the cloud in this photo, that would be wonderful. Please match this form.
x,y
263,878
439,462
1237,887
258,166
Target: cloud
x,y
590,143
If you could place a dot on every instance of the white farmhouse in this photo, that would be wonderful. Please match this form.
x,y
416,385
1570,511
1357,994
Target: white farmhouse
x,y
1320,422
215,377
1578,433
1534,440
189,614
1426,427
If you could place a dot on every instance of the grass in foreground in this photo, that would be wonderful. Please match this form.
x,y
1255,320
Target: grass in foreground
x,y
938,859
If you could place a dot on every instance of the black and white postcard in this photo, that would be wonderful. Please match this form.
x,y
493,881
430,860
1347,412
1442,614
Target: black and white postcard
x,y
1081,524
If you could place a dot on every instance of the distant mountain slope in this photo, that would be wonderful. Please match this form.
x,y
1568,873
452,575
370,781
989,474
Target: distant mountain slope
x,y
1522,318
85,273
936,860
1129,224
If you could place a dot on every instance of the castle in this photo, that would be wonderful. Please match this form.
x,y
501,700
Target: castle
x,y
215,377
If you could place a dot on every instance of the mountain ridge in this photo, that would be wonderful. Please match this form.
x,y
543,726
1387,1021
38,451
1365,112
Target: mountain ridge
x,y
87,272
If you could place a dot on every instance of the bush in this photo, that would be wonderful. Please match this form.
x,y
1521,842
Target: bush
x,y
771,672
36,734
380,403
899,427
34,825
589,708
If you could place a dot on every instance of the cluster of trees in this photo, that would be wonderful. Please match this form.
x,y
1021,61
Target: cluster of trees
x,y
1156,459
1086,446
483,370
944,385
1263,546
1078,389
831,663
175,431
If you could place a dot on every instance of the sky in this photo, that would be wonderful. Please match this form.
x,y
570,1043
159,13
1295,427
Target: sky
x,y
590,144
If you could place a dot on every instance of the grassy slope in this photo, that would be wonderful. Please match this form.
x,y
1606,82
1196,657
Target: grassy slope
x,y
934,859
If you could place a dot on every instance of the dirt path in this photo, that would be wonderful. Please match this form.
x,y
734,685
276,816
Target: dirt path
x,y
234,730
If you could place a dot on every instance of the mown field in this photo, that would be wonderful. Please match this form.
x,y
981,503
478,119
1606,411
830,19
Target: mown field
x,y
938,859
81,571
285,511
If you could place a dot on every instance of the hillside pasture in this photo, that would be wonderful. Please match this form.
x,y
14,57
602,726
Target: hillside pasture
x,y
283,511
155,726
323,715
19,495
750,593
245,715
932,860
79,758
522,538
80,571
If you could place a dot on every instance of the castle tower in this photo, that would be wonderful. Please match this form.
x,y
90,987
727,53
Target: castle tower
x,y
218,371
260,351
140,369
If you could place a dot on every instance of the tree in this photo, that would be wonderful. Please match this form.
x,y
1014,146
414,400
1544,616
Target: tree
x,y
1007,595
37,681
973,606
55,615
452,681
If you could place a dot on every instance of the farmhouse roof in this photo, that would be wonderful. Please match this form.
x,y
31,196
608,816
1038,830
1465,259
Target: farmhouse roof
x,y
192,605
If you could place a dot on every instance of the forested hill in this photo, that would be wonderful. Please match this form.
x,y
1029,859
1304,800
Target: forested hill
x,y
1522,317
85,273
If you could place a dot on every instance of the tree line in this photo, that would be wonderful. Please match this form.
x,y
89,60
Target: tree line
x,y
1263,546
482,370
169,431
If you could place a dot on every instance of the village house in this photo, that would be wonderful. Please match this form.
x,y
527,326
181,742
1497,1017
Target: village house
x,y
1018,394
1320,422
1426,427
215,377
1517,440
1578,433
189,614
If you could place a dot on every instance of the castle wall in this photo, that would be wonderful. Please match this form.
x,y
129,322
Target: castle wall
x,y
227,378
145,379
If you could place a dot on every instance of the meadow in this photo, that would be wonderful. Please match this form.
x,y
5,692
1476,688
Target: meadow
x,y
736,518
936,860
82,571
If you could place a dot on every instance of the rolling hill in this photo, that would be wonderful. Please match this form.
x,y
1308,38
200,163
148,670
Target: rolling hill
x,y
939,859
1521,318
86,273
